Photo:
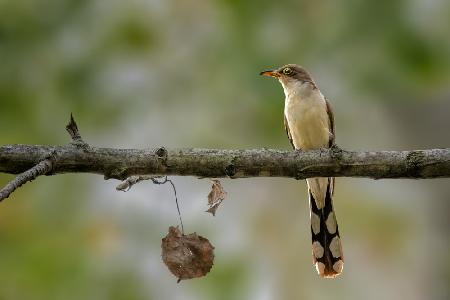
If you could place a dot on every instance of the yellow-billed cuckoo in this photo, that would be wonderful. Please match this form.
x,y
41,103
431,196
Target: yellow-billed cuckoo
x,y
309,123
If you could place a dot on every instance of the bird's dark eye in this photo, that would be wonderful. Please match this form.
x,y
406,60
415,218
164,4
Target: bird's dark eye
x,y
287,71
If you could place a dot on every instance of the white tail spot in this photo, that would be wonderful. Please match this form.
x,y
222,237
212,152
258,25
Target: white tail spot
x,y
318,250
320,267
338,266
315,223
335,247
331,223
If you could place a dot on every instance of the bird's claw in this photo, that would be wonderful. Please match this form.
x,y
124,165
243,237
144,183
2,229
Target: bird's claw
x,y
336,151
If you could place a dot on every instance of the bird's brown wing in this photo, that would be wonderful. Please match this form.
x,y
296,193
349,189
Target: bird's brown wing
x,y
332,126
286,127
332,140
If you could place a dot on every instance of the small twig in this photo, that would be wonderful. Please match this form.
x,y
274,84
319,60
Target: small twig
x,y
41,168
72,129
132,180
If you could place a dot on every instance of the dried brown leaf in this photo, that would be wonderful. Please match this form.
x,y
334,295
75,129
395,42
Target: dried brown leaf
x,y
187,256
216,196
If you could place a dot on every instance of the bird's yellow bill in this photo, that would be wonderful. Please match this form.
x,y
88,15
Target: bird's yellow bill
x,y
270,73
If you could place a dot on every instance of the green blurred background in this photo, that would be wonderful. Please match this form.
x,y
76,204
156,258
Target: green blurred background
x,y
146,73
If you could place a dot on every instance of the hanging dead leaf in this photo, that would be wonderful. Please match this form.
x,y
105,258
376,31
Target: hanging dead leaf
x,y
187,256
216,196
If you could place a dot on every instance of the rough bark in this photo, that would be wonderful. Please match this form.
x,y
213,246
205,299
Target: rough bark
x,y
214,163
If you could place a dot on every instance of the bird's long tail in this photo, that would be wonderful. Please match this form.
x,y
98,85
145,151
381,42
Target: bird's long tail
x,y
326,242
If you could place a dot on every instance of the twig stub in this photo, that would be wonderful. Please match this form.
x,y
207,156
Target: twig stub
x,y
161,152
72,129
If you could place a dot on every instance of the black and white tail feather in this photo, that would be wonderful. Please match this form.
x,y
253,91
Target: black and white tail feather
x,y
326,243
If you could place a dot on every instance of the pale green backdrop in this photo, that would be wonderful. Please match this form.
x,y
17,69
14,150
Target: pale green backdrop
x,y
147,73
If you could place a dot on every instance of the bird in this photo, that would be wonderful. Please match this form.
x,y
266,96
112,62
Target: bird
x,y
309,124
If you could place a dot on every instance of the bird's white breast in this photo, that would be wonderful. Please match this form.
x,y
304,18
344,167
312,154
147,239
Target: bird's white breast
x,y
306,113
309,125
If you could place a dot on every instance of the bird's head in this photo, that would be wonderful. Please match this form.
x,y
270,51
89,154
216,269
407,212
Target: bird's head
x,y
290,76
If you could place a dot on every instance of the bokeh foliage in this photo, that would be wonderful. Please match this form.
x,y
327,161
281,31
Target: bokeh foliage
x,y
146,73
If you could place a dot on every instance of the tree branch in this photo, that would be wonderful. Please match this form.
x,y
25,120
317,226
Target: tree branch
x,y
41,168
214,163
31,161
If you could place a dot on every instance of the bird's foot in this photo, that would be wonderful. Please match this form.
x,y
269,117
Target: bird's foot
x,y
336,152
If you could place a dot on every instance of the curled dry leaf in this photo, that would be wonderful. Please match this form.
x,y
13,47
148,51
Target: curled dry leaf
x,y
216,196
187,256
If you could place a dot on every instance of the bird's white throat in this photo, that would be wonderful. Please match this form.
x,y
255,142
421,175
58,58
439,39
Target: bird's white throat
x,y
294,88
